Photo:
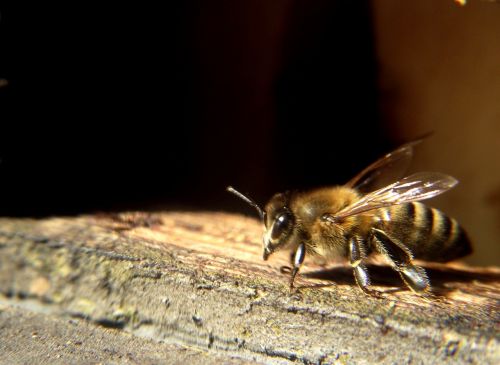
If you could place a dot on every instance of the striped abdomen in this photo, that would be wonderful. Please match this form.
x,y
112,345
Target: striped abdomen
x,y
427,232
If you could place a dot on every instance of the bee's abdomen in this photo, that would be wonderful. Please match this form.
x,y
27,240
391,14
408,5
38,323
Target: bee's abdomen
x,y
427,232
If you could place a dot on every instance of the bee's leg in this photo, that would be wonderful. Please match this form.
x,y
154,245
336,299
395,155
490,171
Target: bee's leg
x,y
357,253
400,258
288,269
298,259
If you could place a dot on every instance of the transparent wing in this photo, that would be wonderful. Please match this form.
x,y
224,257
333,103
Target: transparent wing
x,y
419,186
392,167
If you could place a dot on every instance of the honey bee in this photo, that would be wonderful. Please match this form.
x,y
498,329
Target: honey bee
x,y
361,218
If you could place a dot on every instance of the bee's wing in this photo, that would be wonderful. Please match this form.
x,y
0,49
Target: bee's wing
x,y
419,186
385,170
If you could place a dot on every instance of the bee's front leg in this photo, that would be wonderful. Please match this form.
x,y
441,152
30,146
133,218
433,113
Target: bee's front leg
x,y
287,269
298,259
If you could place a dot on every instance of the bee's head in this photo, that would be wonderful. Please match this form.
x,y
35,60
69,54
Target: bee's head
x,y
277,218
279,224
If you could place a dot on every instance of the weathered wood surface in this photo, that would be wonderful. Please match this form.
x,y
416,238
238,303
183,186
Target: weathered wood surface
x,y
198,280
29,337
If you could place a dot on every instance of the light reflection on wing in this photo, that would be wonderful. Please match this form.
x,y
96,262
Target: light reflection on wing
x,y
419,186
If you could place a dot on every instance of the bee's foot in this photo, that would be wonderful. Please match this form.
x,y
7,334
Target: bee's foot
x,y
429,296
295,293
373,293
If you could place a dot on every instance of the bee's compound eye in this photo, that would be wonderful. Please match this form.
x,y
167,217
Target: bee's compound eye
x,y
281,224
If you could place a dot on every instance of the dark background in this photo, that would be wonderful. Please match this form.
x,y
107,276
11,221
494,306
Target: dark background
x,y
112,106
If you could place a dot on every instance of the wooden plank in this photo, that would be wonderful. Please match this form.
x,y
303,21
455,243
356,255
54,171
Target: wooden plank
x,y
36,338
198,279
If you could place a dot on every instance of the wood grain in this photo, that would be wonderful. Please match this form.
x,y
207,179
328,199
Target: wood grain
x,y
198,279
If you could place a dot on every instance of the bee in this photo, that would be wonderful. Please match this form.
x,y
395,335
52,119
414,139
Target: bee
x,y
365,217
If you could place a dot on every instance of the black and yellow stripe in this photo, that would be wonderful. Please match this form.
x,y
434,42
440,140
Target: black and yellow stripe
x,y
427,232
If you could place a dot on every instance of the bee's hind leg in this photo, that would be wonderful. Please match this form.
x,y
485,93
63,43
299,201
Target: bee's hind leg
x,y
357,253
400,258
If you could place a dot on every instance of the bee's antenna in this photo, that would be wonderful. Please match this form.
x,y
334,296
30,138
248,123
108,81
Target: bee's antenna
x,y
262,214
